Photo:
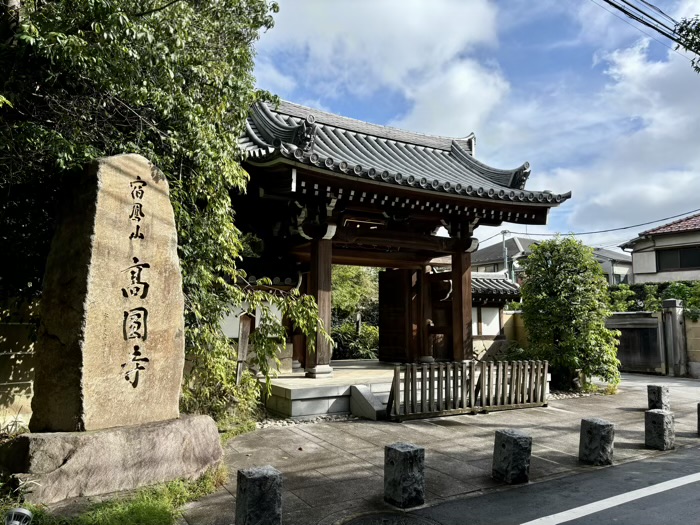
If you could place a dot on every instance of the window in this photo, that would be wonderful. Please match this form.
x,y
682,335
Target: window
x,y
678,259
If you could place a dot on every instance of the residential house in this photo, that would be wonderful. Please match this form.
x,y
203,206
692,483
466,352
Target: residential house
x,y
667,253
617,266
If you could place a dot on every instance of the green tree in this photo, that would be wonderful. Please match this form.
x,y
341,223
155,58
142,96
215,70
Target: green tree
x,y
622,299
565,304
688,31
355,288
171,80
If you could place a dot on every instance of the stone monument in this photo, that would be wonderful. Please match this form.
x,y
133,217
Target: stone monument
x,y
110,349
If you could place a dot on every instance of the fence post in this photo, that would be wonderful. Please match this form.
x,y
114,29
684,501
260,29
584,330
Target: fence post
x,y
414,388
423,387
431,394
407,390
543,386
439,386
472,384
397,390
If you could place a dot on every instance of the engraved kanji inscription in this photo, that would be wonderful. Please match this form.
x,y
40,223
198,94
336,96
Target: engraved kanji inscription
x,y
137,189
134,366
137,287
135,324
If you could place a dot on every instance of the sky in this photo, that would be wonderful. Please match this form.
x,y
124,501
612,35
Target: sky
x,y
596,106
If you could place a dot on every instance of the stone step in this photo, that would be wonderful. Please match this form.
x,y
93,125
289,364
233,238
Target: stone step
x,y
364,404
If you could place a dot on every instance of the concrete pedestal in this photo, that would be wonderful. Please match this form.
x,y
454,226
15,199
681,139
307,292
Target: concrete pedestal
x,y
659,432
596,443
259,496
404,479
511,456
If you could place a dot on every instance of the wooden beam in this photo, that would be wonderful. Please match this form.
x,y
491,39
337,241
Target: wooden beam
x,y
395,239
318,361
462,343
406,260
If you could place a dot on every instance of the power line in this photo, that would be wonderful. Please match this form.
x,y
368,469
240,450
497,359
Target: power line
x,y
640,29
641,14
608,230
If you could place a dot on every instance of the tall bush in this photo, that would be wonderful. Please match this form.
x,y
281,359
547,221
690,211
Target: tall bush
x,y
565,304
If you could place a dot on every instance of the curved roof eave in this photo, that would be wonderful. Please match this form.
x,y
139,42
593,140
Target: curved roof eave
x,y
341,145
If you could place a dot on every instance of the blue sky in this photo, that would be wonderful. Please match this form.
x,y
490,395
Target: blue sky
x,y
596,106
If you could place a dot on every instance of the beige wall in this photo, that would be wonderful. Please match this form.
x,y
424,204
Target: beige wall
x,y
514,327
16,374
692,338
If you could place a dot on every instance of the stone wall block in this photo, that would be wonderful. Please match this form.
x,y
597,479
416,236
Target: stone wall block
x,y
596,443
659,432
511,456
404,477
658,397
259,496
59,465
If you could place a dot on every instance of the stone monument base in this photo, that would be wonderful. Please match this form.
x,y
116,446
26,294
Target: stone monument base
x,y
55,466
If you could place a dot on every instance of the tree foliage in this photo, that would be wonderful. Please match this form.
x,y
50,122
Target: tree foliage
x,y
688,31
355,288
565,305
171,80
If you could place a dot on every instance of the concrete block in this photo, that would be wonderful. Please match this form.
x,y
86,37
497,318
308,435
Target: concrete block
x,y
364,404
404,478
596,442
659,432
259,496
339,405
511,456
658,397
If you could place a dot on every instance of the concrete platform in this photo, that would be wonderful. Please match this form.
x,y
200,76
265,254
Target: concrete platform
x,y
296,396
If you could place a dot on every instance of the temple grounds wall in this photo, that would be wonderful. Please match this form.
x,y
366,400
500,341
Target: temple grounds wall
x,y
692,338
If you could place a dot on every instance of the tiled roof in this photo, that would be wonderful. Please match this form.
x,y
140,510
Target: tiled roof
x,y
687,224
490,254
351,147
484,283
609,254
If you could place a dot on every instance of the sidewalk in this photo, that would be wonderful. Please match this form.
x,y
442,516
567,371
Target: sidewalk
x,y
333,471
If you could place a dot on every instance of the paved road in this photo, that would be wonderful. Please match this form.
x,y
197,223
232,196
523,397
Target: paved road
x,y
623,495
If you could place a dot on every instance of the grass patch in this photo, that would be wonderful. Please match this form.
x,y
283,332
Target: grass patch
x,y
237,430
157,505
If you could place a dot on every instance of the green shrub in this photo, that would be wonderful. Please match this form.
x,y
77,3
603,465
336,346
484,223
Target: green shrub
x,y
351,345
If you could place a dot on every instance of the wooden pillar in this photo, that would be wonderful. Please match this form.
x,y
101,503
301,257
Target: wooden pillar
x,y
462,342
426,319
318,361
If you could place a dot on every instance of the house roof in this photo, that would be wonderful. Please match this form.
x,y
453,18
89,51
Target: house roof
x,y
332,143
687,224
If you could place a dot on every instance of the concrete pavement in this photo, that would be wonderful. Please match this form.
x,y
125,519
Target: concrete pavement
x,y
334,471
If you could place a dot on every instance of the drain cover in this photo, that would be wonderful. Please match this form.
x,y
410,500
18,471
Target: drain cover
x,y
388,518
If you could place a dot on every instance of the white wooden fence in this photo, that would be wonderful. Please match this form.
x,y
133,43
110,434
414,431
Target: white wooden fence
x,y
437,389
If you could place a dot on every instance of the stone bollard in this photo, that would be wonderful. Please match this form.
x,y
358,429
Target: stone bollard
x,y
259,496
658,397
596,442
658,429
404,479
511,456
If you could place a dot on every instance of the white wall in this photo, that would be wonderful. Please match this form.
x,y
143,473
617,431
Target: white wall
x,y
490,321
644,258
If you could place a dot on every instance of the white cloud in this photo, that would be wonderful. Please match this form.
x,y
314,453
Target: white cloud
x,y
365,45
456,101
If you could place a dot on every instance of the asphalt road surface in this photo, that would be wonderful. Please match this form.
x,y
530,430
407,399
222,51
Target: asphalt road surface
x,y
664,490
